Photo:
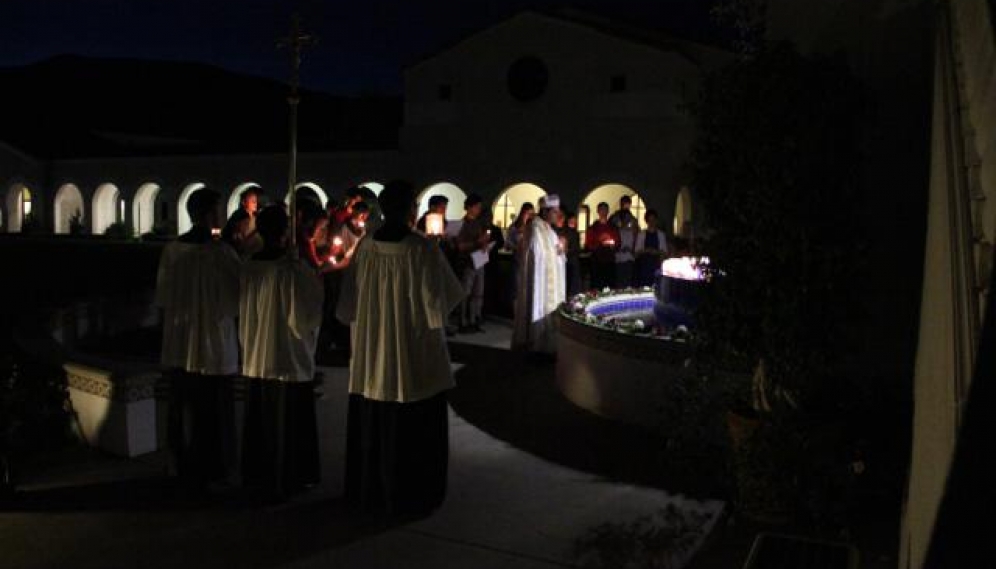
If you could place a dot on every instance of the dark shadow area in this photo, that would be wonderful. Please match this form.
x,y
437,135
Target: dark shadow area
x,y
514,398
158,529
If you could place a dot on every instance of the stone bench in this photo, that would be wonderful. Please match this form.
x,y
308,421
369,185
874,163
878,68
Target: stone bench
x,y
116,412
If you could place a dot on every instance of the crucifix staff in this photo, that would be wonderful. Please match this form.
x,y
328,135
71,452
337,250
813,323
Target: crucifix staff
x,y
295,41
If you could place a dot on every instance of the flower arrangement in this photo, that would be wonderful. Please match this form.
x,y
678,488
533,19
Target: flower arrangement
x,y
576,308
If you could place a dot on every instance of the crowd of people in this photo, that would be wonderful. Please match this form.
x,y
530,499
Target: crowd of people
x,y
256,299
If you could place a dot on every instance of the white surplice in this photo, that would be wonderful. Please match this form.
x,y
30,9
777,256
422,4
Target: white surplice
x,y
542,289
279,317
396,297
198,289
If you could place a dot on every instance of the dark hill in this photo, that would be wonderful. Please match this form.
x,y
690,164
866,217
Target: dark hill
x,y
70,107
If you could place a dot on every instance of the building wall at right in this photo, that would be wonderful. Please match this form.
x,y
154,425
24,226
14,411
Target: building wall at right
x,y
960,234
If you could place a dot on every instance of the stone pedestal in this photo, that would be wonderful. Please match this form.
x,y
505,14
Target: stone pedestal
x,y
116,412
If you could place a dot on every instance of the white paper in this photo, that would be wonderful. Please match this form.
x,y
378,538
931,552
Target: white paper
x,y
480,257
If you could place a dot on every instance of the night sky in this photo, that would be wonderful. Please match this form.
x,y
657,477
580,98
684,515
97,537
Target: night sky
x,y
363,45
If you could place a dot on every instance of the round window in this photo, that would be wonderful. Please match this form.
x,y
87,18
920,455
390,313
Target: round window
x,y
527,78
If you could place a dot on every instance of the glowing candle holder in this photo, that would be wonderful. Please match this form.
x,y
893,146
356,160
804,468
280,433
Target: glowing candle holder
x,y
434,224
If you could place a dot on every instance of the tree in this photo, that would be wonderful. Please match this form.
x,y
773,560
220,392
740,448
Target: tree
x,y
775,165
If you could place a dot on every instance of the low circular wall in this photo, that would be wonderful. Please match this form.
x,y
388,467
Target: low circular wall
x,y
630,378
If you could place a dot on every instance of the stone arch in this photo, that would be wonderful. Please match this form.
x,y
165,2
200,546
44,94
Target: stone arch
x,y
508,203
143,209
68,203
683,214
456,195
235,198
610,193
183,223
322,196
108,207
375,187
20,201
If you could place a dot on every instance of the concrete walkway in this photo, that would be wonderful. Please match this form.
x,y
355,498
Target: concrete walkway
x,y
505,508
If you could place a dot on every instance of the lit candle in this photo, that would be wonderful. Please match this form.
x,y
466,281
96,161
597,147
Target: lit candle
x,y
609,242
434,224
332,259
215,232
361,224
337,242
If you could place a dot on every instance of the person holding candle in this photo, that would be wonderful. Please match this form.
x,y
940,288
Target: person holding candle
x,y
437,205
397,294
602,240
280,312
197,288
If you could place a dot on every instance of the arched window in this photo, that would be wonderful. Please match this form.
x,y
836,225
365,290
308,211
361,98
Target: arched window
x,y
310,187
610,194
375,187
107,207
143,211
456,197
183,223
507,206
68,204
18,207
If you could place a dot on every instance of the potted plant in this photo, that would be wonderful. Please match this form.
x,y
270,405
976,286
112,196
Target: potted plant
x,y
774,168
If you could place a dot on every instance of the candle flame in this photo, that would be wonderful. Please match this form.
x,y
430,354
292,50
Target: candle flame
x,y
685,268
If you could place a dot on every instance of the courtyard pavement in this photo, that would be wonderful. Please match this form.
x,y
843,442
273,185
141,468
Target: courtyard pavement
x,y
512,502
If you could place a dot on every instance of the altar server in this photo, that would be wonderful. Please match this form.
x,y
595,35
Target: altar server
x,y
279,316
397,294
198,290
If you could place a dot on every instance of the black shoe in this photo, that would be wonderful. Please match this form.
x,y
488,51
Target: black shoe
x,y
477,329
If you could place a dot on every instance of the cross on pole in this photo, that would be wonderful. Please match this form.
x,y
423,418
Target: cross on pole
x,y
295,41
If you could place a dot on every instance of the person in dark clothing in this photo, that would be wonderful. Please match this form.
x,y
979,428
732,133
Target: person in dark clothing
x,y
566,226
602,240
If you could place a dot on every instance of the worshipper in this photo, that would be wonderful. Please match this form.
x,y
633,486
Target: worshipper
x,y
437,204
626,224
197,288
602,240
542,284
343,244
514,244
495,234
280,312
566,226
473,238
515,232
311,222
650,249
350,232
240,230
342,212
397,294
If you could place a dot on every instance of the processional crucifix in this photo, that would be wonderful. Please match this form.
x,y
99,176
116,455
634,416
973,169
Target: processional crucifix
x,y
295,41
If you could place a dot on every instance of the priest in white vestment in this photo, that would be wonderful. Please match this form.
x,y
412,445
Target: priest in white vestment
x,y
541,286
279,316
397,294
198,290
